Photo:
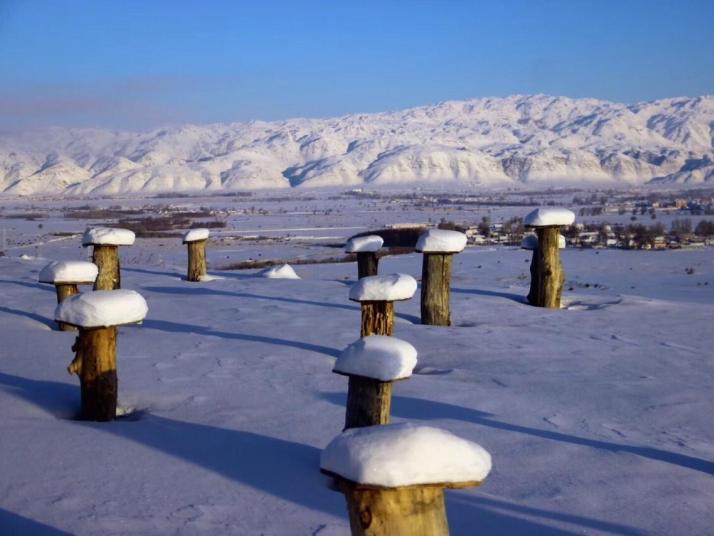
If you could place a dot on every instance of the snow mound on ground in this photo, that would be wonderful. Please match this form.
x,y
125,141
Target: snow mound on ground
x,y
378,357
69,272
542,217
404,454
359,244
108,236
280,272
530,242
441,241
102,308
194,235
393,287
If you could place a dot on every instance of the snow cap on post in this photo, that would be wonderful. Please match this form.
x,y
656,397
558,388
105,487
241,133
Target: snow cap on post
x,y
530,242
108,236
102,308
280,272
378,357
548,217
194,235
405,454
441,241
393,287
364,244
69,272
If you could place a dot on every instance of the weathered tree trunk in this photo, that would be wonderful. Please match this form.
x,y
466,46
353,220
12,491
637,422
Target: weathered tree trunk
x,y
533,291
106,258
95,364
196,260
549,274
405,511
368,402
367,264
377,318
64,291
436,289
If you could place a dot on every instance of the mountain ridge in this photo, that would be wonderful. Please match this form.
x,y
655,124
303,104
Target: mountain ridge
x,y
485,142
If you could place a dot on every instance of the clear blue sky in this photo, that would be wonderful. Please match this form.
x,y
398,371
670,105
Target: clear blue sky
x,y
140,64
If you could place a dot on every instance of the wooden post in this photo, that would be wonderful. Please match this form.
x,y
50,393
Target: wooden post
x,y
64,291
403,511
95,364
106,257
436,289
368,402
196,260
548,271
377,318
367,264
533,291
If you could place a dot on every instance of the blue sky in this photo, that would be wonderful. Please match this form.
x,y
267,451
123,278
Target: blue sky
x,y
139,64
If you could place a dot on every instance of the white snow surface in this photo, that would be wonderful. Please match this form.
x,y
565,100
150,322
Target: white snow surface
x,y
194,235
405,454
368,243
378,357
68,272
486,142
108,236
102,308
284,271
542,217
530,242
392,287
441,241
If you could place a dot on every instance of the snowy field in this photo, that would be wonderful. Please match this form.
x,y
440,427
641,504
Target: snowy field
x,y
598,416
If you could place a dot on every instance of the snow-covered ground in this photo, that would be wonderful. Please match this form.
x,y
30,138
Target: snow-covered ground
x,y
597,416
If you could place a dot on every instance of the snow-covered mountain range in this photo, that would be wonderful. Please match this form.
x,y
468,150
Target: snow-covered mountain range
x,y
480,142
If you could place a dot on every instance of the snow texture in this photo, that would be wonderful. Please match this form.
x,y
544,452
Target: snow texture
x,y
393,287
102,308
280,272
441,241
108,236
359,244
530,242
478,143
69,272
378,357
194,235
405,454
543,217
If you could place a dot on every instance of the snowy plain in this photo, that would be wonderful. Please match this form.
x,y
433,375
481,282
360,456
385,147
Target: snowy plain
x,y
597,416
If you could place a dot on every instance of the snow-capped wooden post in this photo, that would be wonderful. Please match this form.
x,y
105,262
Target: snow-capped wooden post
x,y
394,476
530,243
377,294
372,364
548,271
438,247
97,315
196,240
365,247
106,242
66,276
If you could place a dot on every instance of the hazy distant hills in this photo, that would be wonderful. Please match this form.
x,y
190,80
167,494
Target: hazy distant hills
x,y
480,142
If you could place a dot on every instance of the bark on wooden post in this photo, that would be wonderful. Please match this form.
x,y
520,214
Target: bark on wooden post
x,y
394,476
66,276
97,315
547,274
372,364
530,243
366,248
377,295
106,242
438,247
196,239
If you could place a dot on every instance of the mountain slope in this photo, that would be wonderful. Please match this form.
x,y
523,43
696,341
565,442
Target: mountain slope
x,y
489,141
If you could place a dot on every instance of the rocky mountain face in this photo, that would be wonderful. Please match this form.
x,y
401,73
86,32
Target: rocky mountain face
x,y
480,142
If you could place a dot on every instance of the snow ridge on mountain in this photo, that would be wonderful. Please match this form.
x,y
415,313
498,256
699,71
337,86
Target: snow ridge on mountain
x,y
481,142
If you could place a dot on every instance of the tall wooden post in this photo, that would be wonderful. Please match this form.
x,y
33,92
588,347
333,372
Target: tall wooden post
x,y
367,264
369,402
377,318
106,257
95,364
64,291
196,260
66,276
366,248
